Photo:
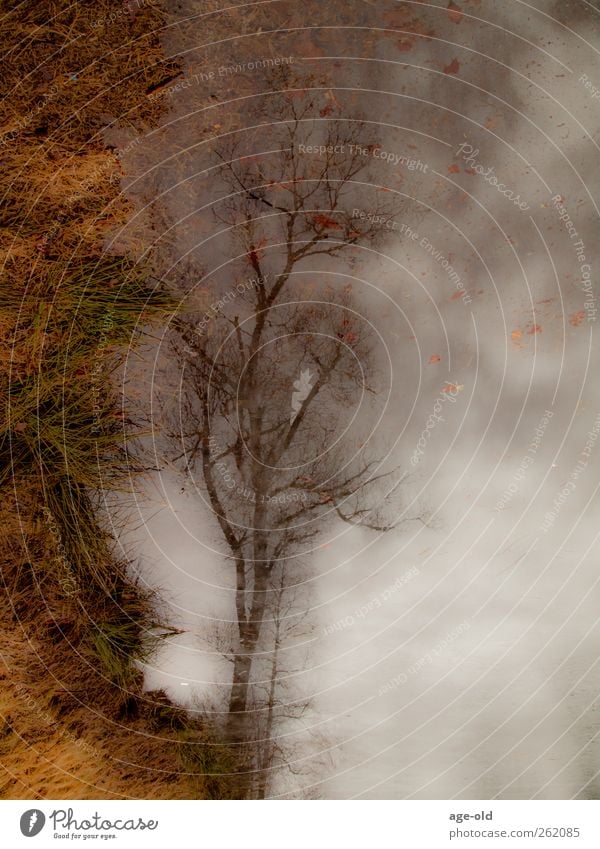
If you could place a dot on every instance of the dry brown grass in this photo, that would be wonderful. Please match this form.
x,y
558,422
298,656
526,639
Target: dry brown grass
x,y
63,744
74,625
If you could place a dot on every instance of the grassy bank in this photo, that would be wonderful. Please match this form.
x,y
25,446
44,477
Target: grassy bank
x,y
74,624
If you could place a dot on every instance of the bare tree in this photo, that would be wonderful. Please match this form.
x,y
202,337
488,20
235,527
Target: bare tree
x,y
280,374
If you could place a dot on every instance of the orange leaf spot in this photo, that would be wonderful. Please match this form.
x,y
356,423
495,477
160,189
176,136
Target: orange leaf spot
x,y
535,328
454,13
325,222
453,169
453,67
256,252
434,358
576,318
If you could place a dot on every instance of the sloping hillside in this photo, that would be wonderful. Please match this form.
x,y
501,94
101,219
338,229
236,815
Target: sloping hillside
x,y
74,623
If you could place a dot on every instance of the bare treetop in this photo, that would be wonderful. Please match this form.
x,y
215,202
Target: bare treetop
x,y
281,376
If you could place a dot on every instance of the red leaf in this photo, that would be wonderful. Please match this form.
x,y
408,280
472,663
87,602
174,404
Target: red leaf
x,y
576,318
454,13
255,253
325,222
453,67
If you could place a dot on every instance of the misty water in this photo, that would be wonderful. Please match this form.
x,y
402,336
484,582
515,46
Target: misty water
x,y
457,655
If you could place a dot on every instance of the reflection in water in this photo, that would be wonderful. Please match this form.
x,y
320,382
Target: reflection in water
x,y
456,654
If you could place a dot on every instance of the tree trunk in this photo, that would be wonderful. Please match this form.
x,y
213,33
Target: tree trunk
x,y
238,699
249,631
266,754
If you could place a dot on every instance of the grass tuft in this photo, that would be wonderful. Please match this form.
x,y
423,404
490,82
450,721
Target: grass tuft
x,y
75,625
